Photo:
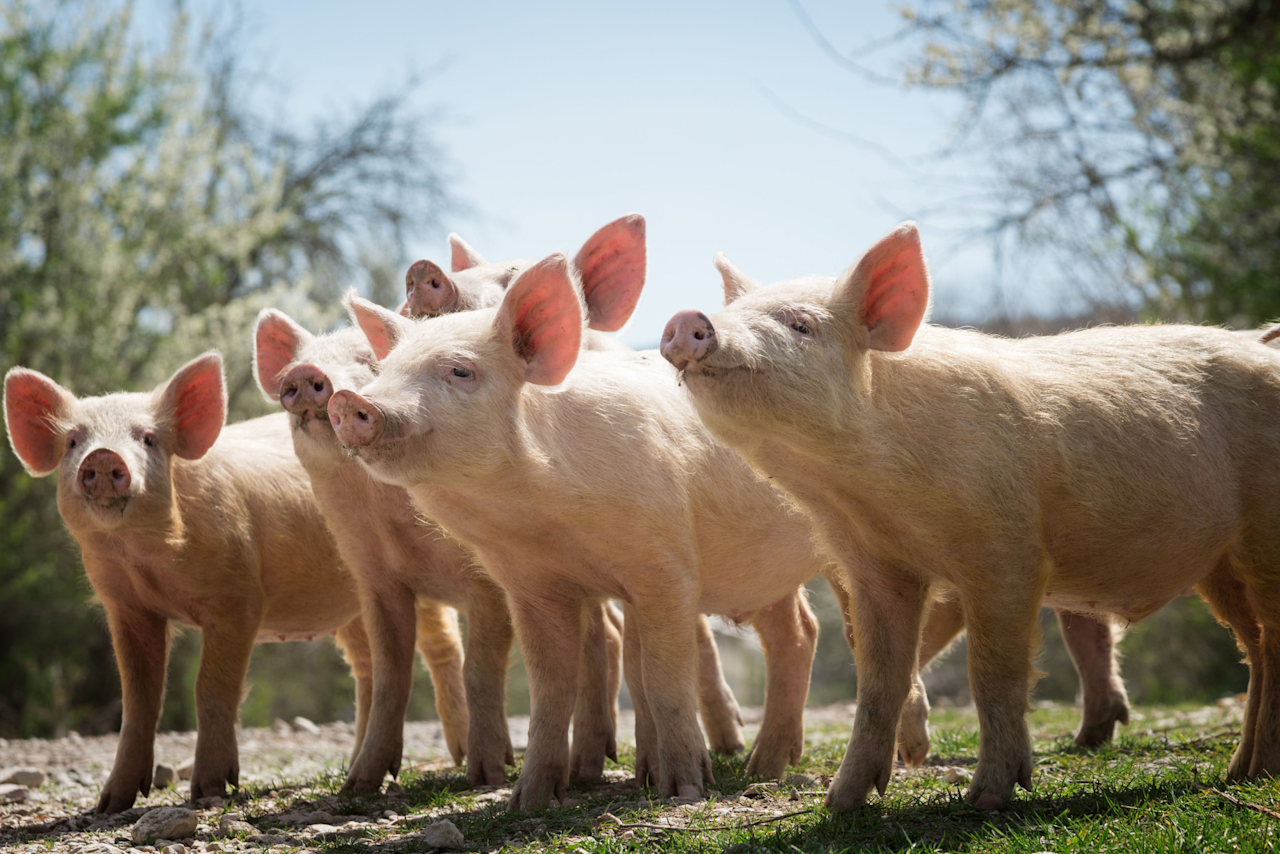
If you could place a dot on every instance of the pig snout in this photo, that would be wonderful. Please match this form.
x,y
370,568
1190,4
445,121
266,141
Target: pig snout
x,y
356,421
689,338
428,291
305,388
104,474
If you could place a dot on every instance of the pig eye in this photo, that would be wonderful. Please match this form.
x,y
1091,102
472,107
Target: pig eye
x,y
802,328
71,443
149,440
462,373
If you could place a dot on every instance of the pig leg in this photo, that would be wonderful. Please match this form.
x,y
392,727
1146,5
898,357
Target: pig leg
x,y
440,644
1091,643
550,632
888,610
668,650
388,614
613,648
354,643
141,642
489,636
788,632
646,729
944,623
224,661
721,717
1003,624
593,718
1226,597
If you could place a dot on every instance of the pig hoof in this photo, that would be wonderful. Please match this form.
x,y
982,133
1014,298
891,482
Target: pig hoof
x,y
1100,729
537,790
361,785
770,761
691,792
913,754
986,800
112,802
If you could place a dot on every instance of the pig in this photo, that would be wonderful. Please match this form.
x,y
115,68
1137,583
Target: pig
x,y
600,484
610,269
182,521
1103,471
397,558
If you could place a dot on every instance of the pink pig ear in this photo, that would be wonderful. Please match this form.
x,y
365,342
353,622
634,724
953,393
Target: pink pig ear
x,y
382,327
276,344
610,266
33,408
194,403
542,314
736,283
889,287
462,256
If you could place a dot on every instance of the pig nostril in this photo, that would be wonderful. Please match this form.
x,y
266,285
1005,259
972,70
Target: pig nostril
x,y
700,335
89,476
362,416
319,387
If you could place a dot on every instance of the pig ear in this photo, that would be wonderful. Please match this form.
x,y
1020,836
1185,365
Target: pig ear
x,y
462,256
194,403
1270,335
542,314
33,409
610,266
383,328
889,289
736,282
275,346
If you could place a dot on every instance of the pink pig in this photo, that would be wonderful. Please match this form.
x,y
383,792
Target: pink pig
x,y
182,521
601,486
1104,471
398,559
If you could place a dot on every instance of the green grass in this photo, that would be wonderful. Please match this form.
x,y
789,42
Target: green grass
x,y
1158,787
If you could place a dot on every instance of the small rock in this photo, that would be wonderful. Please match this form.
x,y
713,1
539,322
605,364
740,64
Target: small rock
x,y
75,737
392,814
802,781
11,794
760,790
679,802
175,848
99,848
281,727
442,834
271,839
322,828
232,825
740,848
318,817
957,775
164,823
163,776
305,725
214,846
186,769
210,803
25,776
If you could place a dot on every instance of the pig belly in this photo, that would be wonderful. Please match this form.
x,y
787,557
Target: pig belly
x,y
1129,590
269,636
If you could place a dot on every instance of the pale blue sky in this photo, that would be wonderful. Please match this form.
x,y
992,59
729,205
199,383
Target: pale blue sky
x,y
560,116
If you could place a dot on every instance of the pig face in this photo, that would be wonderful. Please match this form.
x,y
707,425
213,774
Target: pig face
x,y
114,453
447,400
796,357
301,371
610,268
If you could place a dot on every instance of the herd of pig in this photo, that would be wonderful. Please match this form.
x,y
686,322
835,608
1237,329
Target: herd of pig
x,y
489,450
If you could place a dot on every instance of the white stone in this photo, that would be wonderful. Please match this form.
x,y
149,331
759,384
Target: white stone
x,y
175,848
164,823
957,775
231,825
186,769
317,818
11,794
442,834
305,725
163,776
25,776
